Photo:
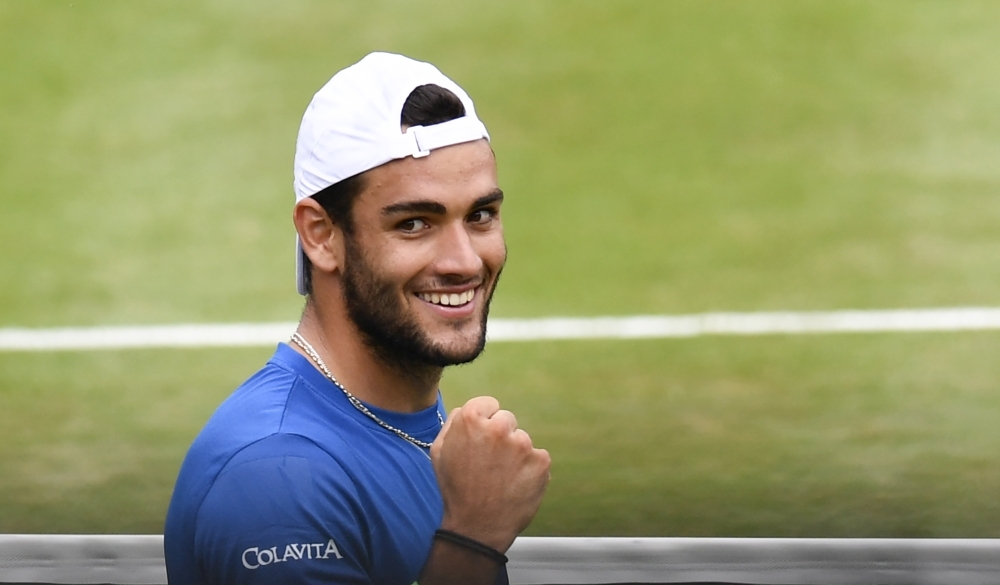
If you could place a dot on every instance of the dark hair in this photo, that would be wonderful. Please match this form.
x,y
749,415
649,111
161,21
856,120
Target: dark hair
x,y
425,106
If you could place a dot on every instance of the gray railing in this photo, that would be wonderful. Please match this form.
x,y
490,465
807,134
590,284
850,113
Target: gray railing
x,y
138,560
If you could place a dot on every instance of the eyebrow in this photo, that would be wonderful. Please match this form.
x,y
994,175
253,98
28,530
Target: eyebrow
x,y
496,196
435,208
430,207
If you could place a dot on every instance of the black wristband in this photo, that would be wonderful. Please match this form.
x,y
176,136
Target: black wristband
x,y
471,544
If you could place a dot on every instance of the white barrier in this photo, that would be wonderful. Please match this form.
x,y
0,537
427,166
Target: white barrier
x,y
508,330
138,560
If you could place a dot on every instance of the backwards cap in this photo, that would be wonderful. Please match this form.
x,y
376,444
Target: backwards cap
x,y
353,125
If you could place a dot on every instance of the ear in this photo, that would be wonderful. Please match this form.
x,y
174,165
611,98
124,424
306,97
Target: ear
x,y
322,240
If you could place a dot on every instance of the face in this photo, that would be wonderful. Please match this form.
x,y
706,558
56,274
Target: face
x,y
425,256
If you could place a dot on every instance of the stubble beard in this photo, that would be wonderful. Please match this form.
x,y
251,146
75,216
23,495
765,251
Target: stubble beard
x,y
389,329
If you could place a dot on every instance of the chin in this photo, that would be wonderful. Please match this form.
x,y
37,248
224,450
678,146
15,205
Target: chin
x,y
457,359
461,349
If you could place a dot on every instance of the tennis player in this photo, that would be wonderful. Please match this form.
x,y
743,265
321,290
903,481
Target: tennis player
x,y
337,462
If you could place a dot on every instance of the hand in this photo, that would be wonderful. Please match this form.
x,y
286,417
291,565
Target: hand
x,y
491,477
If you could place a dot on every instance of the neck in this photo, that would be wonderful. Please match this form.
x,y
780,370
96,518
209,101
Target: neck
x,y
375,379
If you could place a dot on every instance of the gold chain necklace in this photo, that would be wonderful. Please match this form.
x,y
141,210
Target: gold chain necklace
x,y
300,341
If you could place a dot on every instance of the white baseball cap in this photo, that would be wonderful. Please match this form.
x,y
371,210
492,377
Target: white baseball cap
x,y
352,125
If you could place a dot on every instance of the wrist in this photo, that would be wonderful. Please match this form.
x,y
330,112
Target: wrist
x,y
453,564
478,529
471,544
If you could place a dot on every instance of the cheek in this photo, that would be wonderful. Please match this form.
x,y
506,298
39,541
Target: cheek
x,y
493,251
403,263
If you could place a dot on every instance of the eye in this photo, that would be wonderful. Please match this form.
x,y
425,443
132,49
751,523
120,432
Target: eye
x,y
412,226
482,216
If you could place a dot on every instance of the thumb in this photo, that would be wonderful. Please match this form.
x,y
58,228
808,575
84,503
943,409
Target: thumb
x,y
436,445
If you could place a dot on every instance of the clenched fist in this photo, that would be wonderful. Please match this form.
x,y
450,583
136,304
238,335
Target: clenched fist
x,y
492,478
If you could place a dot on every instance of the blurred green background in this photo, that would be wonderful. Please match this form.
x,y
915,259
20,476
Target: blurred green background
x,y
658,157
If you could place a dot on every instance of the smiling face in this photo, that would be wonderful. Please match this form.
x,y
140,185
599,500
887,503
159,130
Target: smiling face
x,y
425,255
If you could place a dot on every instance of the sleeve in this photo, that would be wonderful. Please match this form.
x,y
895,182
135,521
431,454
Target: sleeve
x,y
283,511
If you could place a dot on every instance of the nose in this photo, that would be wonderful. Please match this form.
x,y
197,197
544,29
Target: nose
x,y
457,254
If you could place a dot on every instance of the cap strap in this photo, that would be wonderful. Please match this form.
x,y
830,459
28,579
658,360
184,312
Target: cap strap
x,y
419,141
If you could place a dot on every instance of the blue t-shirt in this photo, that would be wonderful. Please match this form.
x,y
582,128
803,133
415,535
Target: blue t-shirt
x,y
289,483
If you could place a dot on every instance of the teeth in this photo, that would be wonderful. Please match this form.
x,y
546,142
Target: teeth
x,y
449,300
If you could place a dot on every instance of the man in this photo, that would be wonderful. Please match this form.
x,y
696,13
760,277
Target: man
x,y
334,463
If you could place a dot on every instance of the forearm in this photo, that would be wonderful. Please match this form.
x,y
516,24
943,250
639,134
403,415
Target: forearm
x,y
492,480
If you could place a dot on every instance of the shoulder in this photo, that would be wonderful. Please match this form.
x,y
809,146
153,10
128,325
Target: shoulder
x,y
250,473
282,506
277,400
283,470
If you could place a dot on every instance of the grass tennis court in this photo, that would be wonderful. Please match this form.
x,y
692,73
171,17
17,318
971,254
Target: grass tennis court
x,y
658,157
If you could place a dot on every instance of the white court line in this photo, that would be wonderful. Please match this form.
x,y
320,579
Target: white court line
x,y
634,327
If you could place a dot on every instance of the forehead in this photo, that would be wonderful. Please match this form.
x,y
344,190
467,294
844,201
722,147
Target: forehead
x,y
453,176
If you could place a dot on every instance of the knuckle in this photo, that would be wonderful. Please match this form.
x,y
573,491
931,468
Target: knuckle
x,y
509,416
521,439
496,428
542,458
487,403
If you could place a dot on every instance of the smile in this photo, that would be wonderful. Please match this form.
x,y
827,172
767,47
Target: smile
x,y
449,300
